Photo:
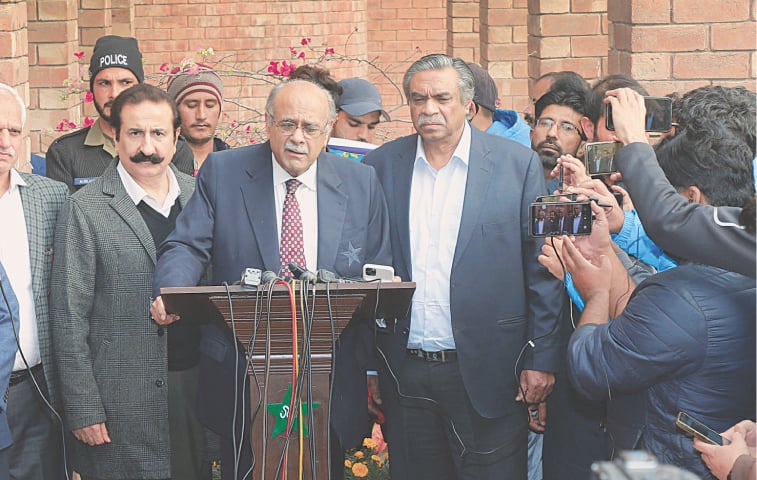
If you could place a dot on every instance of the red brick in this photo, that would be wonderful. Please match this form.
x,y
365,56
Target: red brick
x,y
500,70
464,10
425,4
586,67
45,76
152,11
31,10
462,25
506,17
88,36
497,35
586,6
536,7
94,18
619,10
711,65
382,13
520,34
463,39
548,47
669,38
514,86
730,36
404,24
187,10
650,66
205,21
620,36
14,44
570,24
416,35
49,32
55,54
650,11
591,46
693,11
56,10
93,4
170,22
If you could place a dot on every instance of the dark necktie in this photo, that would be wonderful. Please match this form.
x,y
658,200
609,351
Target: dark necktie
x,y
291,248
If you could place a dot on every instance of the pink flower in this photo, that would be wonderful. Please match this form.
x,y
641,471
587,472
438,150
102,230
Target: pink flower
x,y
273,67
79,54
164,67
304,41
248,129
499,102
88,122
88,97
252,140
60,127
328,51
233,124
287,69
71,125
301,55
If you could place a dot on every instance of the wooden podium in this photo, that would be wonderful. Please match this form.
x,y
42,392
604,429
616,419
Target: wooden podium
x,y
261,320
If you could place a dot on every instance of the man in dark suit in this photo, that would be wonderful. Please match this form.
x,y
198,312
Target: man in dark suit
x,y
128,385
8,349
458,209
79,157
235,221
29,206
580,223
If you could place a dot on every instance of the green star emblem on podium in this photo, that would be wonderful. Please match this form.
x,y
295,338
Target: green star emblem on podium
x,y
281,412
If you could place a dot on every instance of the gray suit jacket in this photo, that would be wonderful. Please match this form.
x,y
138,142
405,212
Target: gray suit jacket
x,y
500,296
42,200
111,356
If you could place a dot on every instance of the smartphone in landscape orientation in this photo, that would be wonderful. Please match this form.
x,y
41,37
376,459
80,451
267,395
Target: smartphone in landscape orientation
x,y
551,219
659,116
698,429
599,157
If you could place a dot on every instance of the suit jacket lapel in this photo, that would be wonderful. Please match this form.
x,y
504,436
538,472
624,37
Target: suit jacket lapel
x,y
404,164
332,209
480,170
34,217
259,201
125,208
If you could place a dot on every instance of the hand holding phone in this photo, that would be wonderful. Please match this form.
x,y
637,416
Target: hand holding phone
x,y
628,115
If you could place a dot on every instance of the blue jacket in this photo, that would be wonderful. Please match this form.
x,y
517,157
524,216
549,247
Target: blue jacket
x,y
685,342
8,347
508,124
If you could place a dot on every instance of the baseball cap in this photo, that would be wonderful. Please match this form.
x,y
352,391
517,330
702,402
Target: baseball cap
x,y
360,97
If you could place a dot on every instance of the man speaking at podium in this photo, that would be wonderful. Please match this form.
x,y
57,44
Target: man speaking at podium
x,y
266,205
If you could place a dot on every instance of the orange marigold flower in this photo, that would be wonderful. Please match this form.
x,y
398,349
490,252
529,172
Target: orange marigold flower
x,y
377,460
359,454
360,470
369,443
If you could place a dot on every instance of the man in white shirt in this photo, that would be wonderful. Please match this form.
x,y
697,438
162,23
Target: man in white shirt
x,y
128,385
458,211
29,206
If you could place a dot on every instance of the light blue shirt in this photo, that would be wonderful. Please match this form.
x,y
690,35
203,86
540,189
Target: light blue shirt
x,y
436,209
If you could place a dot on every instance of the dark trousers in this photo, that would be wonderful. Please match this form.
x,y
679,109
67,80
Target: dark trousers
x,y
187,434
37,451
444,436
574,437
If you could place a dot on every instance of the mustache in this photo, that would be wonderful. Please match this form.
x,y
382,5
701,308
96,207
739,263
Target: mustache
x,y
436,118
10,151
551,143
297,148
142,158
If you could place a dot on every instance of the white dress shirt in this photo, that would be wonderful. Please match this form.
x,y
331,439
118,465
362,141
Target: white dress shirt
x,y
138,194
14,255
436,208
307,198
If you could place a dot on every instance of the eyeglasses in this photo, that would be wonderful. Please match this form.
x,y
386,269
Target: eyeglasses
x,y
309,130
564,127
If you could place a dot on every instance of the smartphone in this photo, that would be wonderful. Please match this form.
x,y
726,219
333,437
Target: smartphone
x,y
551,219
599,157
557,198
698,429
659,114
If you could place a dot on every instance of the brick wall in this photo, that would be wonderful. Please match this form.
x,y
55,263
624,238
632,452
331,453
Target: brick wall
x,y
677,45
14,55
669,45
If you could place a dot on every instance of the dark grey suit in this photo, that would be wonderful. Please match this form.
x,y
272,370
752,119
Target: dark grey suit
x,y
111,356
500,296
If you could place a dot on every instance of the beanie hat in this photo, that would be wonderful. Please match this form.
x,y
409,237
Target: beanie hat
x,y
114,51
198,78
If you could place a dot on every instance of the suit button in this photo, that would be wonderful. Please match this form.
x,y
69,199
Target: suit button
x,y
159,382
405,331
161,331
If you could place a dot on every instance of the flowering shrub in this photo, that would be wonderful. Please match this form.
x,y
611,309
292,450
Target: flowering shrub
x,y
240,124
370,461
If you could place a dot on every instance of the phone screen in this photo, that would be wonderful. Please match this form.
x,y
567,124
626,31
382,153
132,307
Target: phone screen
x,y
659,116
550,219
599,157
694,427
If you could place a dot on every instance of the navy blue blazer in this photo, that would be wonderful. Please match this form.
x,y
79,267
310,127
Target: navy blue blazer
x,y
500,295
230,224
8,347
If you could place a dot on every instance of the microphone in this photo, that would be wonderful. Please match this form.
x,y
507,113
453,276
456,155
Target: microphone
x,y
302,274
268,276
327,276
